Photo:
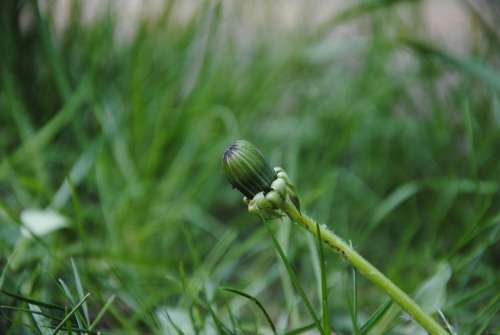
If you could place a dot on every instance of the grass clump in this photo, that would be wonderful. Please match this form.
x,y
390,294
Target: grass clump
x,y
390,138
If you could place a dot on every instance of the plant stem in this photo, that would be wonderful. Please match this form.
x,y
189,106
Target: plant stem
x,y
366,269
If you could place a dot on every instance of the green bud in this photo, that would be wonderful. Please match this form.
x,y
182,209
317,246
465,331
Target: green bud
x,y
246,169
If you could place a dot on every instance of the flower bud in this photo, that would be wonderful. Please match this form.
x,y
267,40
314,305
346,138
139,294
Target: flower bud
x,y
246,169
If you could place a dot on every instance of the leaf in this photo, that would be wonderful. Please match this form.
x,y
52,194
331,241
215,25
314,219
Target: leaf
x,y
46,133
177,329
70,314
436,284
6,267
175,320
397,197
353,304
301,329
471,67
32,301
72,299
234,322
101,312
30,310
431,295
77,173
294,279
375,317
222,329
40,320
79,289
359,9
66,290
257,302
324,284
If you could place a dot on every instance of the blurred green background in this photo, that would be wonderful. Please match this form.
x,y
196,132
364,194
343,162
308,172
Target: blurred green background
x,y
114,117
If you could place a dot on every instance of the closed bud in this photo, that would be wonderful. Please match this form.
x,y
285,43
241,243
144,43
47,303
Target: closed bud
x,y
246,169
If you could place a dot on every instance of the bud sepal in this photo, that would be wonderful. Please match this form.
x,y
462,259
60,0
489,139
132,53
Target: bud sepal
x,y
269,205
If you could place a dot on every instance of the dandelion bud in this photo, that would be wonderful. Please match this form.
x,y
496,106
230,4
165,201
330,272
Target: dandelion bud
x,y
246,169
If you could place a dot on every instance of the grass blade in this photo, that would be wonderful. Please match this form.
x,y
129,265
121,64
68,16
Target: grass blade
x,y
66,290
471,67
257,302
294,279
487,314
397,197
447,323
353,304
6,267
221,328
364,8
30,310
375,317
68,316
39,318
232,318
102,311
72,300
62,82
32,301
79,289
48,131
177,329
324,285
301,329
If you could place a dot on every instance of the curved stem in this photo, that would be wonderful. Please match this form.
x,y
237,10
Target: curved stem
x,y
366,269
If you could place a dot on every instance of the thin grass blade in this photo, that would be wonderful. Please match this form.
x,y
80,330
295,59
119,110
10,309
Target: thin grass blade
x,y
301,329
257,302
39,318
353,304
102,312
294,279
221,328
32,301
324,284
375,317
79,289
70,314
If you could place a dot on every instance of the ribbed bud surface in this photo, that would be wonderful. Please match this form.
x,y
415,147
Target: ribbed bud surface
x,y
246,169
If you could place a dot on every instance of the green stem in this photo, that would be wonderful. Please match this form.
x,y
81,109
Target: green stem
x,y
366,269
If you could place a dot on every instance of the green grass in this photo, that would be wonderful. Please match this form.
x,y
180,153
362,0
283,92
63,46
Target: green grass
x,y
393,141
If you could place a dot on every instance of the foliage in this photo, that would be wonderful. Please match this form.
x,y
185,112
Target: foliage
x,y
392,140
